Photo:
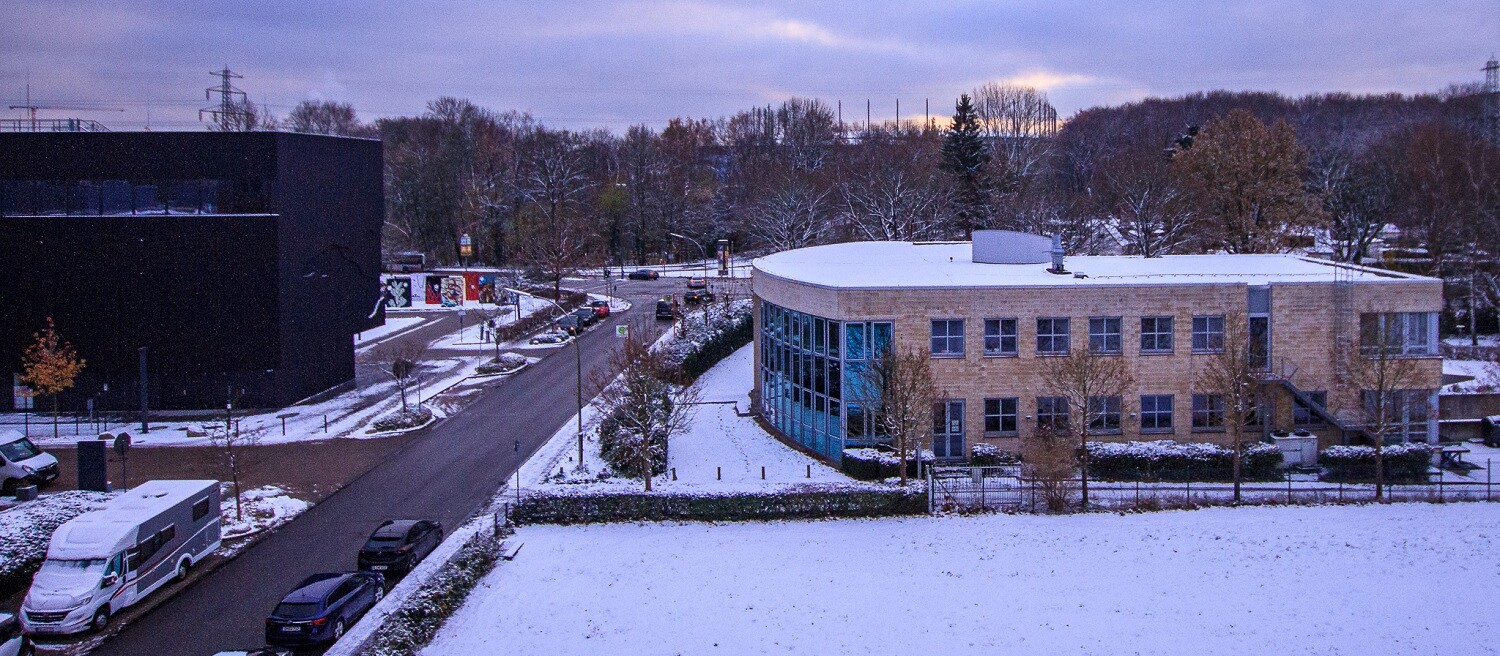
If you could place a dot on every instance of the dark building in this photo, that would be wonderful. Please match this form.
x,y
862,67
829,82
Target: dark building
x,y
243,262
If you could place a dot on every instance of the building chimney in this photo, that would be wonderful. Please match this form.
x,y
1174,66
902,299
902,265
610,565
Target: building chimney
x,y
1057,255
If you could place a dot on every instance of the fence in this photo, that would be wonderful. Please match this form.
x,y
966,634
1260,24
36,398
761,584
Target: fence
x,y
960,489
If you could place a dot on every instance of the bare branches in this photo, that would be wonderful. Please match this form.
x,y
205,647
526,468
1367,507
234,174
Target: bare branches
x,y
641,408
897,388
401,359
1231,376
1085,380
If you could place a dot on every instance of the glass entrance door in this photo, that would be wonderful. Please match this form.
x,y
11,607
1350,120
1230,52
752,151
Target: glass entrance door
x,y
948,429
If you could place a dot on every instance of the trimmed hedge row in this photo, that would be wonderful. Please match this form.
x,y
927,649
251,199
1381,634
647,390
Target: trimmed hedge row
x,y
808,502
717,348
1403,463
878,463
419,617
1166,460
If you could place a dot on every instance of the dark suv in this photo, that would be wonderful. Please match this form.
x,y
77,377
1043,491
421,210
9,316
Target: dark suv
x,y
397,545
322,607
643,274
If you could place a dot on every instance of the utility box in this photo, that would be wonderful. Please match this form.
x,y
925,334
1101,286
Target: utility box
x,y
93,465
1298,449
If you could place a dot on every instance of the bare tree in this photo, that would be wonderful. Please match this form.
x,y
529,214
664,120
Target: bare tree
x,y
1018,123
890,192
1135,192
790,217
1388,381
236,449
642,407
1230,374
557,250
1085,381
400,359
1050,460
326,117
897,389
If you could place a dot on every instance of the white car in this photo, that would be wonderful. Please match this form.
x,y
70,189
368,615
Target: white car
x,y
12,642
21,463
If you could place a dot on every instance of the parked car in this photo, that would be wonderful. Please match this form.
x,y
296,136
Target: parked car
x,y
21,463
601,308
322,607
263,651
643,274
103,561
697,283
696,296
12,641
569,324
586,315
550,337
397,545
666,309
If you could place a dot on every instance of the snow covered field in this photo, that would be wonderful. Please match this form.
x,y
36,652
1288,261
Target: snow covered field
x,y
1266,580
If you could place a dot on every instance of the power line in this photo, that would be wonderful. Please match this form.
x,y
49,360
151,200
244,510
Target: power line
x,y
228,113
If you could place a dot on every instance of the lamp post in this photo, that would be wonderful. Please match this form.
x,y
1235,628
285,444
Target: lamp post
x,y
578,358
701,250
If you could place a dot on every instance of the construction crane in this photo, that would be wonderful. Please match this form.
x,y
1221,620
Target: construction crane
x,y
33,108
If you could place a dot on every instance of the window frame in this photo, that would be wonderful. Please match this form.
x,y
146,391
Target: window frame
x,y
1156,335
1101,413
1053,413
947,338
1214,407
1105,335
1300,410
1000,415
1000,336
1157,413
1208,333
1053,335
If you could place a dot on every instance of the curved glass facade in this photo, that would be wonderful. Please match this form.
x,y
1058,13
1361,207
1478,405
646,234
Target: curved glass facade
x,y
806,364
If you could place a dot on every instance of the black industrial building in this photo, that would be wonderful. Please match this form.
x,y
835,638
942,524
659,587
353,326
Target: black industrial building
x,y
242,262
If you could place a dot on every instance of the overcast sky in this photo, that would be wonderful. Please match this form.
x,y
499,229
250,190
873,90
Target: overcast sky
x,y
612,64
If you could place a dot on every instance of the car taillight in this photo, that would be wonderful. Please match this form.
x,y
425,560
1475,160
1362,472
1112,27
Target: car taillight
x,y
320,621
404,548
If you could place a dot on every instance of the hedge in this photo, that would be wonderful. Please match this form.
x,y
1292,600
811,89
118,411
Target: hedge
x,y
708,336
803,502
419,617
401,419
878,463
1166,460
1403,463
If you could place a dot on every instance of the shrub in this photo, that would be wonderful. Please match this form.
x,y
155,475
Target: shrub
x,y
621,448
802,502
1166,460
28,530
411,417
877,463
1403,463
706,336
414,623
507,362
988,454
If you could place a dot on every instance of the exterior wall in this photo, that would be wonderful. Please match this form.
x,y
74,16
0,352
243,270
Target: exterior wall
x,y
1303,336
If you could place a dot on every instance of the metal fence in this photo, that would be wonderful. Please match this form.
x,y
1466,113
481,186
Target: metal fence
x,y
963,489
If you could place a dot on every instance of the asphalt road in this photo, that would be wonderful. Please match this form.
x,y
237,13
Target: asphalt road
x,y
448,473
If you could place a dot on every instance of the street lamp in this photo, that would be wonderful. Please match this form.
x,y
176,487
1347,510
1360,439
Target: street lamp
x,y
578,357
703,251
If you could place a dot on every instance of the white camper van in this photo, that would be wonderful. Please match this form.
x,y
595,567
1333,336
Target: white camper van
x,y
105,560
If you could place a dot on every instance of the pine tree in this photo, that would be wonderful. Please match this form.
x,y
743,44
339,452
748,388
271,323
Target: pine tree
x,y
51,366
965,157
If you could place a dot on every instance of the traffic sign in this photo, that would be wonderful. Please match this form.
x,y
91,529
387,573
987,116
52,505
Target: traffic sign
x,y
622,331
122,444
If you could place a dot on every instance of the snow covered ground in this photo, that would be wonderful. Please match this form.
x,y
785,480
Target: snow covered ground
x,y
1482,376
393,326
262,509
1271,580
720,451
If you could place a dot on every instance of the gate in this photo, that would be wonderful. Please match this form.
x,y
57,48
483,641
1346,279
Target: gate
x,y
973,488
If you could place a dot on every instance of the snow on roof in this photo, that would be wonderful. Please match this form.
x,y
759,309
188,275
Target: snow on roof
x,y
103,533
895,264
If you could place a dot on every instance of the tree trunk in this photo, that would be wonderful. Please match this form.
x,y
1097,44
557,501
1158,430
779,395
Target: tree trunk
x,y
54,416
402,386
904,460
1379,470
1237,461
1083,466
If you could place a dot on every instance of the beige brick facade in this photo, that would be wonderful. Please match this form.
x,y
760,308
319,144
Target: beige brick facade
x,y
1305,317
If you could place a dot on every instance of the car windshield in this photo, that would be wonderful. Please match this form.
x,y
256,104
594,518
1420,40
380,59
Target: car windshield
x,y
293,611
70,574
21,449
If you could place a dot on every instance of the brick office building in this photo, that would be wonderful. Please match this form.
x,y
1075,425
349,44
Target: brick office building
x,y
986,311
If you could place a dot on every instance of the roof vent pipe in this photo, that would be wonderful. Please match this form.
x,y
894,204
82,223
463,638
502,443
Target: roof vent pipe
x,y
1057,255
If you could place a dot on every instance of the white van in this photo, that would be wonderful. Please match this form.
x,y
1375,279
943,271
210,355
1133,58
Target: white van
x,y
21,463
105,560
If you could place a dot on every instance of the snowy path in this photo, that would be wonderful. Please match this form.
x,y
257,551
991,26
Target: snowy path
x,y
1274,580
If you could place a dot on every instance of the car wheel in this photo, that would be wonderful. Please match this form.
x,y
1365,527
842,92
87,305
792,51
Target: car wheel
x,y
9,489
182,569
379,593
338,630
101,619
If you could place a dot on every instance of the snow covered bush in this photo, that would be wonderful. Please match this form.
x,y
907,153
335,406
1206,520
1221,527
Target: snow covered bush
x,y
704,337
625,450
873,464
28,528
407,630
408,418
1167,460
1402,463
988,454
506,363
803,502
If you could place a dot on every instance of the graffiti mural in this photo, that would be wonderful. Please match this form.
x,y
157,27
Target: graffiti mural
x,y
398,292
471,286
489,288
453,291
434,290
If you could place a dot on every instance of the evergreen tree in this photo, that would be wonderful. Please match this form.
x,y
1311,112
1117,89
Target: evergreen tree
x,y
965,157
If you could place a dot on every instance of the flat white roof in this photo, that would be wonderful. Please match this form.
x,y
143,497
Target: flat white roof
x,y
904,264
103,533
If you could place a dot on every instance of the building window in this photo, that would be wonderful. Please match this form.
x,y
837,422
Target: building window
x,y
1156,334
1104,335
1156,413
1302,415
1052,413
1104,414
1000,416
1397,333
1405,413
1052,336
999,337
1208,412
1208,334
947,338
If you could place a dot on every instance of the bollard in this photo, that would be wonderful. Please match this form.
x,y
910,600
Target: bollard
x,y
283,425
809,471
674,473
718,473
762,472
325,423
